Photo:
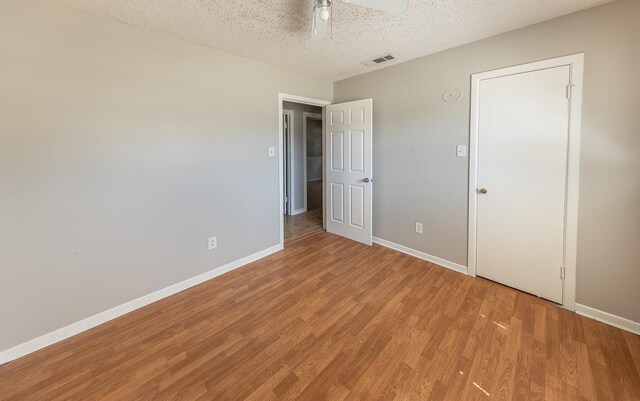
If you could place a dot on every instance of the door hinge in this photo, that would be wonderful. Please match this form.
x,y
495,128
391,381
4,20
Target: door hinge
x,y
561,271
569,89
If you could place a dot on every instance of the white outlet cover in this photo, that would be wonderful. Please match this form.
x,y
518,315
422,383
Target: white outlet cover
x,y
419,228
213,243
272,151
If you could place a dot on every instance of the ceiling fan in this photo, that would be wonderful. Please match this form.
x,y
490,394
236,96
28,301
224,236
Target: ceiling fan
x,y
322,12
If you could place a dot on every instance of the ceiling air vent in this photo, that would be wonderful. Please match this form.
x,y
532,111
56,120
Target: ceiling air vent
x,y
379,60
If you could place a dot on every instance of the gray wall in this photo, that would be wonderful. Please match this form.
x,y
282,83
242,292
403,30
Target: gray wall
x,y
419,178
121,152
298,155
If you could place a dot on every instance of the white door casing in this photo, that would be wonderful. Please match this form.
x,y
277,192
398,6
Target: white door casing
x,y
524,151
348,169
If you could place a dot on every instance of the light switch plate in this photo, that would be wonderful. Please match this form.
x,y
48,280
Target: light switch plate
x,y
272,151
461,150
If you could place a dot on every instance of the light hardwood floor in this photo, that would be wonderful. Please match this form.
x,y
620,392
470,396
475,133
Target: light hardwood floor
x,y
331,319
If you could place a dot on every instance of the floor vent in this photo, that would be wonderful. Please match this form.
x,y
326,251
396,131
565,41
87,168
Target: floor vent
x,y
379,60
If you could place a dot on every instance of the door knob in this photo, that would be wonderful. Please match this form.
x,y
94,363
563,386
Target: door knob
x,y
482,190
366,180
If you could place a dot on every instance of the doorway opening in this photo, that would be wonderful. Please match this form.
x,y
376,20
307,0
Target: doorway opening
x,y
302,168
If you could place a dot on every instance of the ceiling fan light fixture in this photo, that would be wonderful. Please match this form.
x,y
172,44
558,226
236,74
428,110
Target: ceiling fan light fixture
x,y
323,5
324,13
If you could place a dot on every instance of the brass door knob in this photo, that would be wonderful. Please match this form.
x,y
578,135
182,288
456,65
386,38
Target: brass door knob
x,y
482,191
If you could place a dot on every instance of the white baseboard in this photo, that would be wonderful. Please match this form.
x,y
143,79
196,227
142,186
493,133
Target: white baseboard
x,y
608,318
95,320
299,211
421,255
604,317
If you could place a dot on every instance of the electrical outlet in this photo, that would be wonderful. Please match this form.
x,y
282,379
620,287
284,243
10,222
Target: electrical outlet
x,y
419,228
213,243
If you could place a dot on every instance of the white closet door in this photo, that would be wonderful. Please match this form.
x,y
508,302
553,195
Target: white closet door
x,y
522,173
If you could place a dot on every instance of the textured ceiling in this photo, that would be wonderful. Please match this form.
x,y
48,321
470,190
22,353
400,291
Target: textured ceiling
x,y
278,32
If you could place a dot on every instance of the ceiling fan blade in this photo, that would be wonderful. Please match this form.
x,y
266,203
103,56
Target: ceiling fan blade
x,y
390,6
319,28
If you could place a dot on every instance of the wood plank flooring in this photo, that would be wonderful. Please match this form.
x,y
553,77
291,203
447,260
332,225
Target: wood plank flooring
x,y
301,226
331,319
314,195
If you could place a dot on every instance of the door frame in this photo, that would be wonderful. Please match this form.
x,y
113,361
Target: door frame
x,y
284,97
290,166
314,116
574,91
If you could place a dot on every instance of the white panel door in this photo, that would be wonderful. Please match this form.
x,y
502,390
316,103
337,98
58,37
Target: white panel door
x,y
348,165
523,128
